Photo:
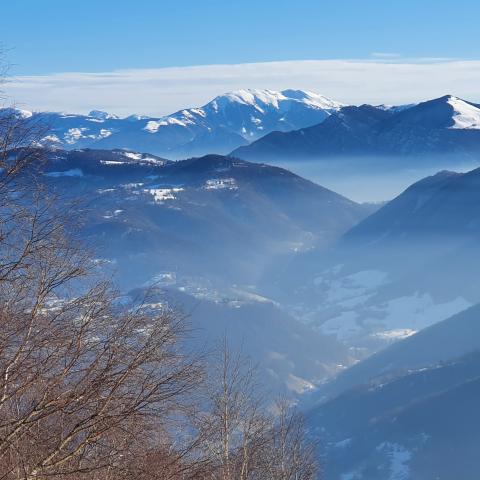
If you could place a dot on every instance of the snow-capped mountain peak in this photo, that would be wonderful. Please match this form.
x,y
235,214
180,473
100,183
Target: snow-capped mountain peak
x,y
220,126
271,98
465,115
251,97
237,118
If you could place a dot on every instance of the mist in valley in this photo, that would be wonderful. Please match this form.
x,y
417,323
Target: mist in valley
x,y
377,179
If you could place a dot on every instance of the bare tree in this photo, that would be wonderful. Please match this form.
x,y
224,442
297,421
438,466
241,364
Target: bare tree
x,y
245,437
292,454
85,385
81,381
232,419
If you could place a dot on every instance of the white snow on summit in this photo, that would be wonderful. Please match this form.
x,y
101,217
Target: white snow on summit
x,y
221,124
258,98
466,115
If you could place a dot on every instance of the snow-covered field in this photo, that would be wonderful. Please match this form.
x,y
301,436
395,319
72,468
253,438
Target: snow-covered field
x,y
350,307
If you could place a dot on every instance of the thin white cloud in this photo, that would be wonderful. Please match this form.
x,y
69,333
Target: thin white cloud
x,y
385,55
161,91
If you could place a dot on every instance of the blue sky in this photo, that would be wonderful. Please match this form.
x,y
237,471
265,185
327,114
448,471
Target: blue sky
x,y
91,35
156,56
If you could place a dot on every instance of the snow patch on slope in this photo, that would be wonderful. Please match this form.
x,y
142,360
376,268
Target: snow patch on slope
x,y
162,194
399,458
417,311
351,308
220,184
153,125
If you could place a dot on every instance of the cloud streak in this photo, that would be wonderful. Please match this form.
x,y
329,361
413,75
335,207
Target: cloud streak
x,y
161,91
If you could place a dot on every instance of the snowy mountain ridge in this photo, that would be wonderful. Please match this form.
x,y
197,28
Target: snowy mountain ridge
x,y
223,124
258,123
446,125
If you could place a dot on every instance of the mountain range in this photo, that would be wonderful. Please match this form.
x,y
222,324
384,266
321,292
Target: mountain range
x,y
223,124
285,127
443,126
214,217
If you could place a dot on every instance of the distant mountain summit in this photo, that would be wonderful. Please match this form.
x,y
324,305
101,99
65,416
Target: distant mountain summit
x,y
443,126
227,122
444,112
